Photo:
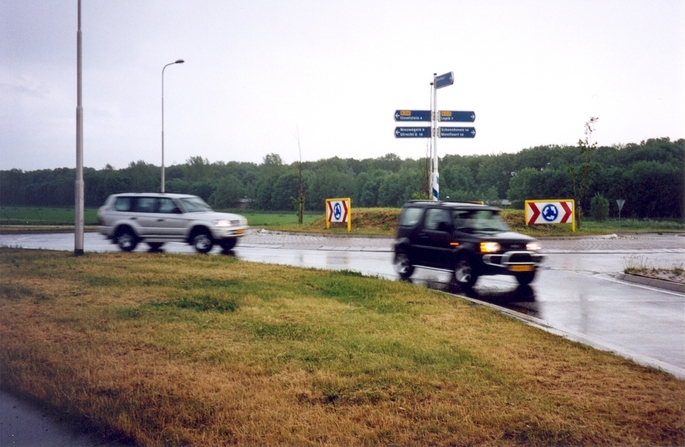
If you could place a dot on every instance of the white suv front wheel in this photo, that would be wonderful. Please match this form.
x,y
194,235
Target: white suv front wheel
x,y
202,241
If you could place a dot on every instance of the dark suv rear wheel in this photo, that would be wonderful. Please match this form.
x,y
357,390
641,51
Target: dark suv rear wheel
x,y
403,266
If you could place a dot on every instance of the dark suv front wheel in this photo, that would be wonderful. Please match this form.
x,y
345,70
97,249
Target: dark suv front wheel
x,y
464,273
525,278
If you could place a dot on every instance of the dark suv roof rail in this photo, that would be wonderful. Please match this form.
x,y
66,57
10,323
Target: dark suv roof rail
x,y
428,202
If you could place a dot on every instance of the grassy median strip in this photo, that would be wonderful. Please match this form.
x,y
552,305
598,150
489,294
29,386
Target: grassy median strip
x,y
209,350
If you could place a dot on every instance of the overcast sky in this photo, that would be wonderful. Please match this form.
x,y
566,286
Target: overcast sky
x,y
261,76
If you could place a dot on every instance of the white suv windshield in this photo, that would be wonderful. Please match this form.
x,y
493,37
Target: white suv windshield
x,y
195,205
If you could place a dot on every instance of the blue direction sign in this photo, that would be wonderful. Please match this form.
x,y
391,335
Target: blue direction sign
x,y
457,132
444,80
412,115
461,117
412,132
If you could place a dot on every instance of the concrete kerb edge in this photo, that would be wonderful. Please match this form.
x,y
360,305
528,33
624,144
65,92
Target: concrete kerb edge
x,y
652,282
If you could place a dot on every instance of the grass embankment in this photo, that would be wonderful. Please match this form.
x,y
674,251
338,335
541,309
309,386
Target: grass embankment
x,y
210,350
383,221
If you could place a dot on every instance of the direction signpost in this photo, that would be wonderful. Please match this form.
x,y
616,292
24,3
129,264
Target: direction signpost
x,y
454,115
412,132
457,132
412,115
444,80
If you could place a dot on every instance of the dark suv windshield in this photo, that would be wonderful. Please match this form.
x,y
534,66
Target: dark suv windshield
x,y
479,221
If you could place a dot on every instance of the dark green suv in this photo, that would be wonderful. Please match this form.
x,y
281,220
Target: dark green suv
x,y
467,239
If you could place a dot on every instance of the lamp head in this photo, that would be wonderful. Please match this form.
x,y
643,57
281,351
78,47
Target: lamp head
x,y
180,61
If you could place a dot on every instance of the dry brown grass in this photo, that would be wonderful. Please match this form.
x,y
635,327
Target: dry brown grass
x,y
208,350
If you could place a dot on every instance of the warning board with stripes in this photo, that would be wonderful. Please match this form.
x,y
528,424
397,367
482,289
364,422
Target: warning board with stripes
x,y
550,211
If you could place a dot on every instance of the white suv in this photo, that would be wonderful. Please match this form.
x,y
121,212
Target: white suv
x,y
155,218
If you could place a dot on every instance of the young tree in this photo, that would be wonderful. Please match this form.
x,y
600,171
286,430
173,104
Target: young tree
x,y
581,175
299,202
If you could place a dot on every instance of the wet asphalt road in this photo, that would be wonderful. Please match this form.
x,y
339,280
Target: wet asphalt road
x,y
579,294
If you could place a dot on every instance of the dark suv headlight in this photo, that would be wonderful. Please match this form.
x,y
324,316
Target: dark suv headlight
x,y
533,246
489,247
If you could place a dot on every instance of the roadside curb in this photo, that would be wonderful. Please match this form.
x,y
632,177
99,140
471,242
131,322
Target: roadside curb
x,y
653,282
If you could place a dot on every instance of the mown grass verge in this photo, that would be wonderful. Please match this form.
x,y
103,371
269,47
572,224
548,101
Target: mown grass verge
x,y
37,216
210,350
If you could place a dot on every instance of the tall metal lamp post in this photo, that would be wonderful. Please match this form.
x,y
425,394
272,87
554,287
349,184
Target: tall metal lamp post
x,y
180,61
79,186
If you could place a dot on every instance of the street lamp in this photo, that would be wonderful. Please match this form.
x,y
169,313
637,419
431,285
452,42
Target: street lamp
x,y
180,61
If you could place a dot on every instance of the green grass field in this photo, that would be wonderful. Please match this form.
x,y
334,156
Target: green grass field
x,y
44,216
212,351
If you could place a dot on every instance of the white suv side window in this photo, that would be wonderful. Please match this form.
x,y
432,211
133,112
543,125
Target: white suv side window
x,y
146,204
168,206
123,204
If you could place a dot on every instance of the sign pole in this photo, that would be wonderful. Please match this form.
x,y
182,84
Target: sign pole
x,y
435,176
433,131
441,81
620,203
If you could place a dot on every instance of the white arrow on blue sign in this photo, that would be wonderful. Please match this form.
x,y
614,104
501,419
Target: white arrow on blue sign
x,y
457,132
412,132
454,115
412,115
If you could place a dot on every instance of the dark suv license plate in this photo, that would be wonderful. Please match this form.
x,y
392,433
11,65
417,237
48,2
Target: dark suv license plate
x,y
520,268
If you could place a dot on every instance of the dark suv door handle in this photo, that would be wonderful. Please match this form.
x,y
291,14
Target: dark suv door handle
x,y
134,218
160,220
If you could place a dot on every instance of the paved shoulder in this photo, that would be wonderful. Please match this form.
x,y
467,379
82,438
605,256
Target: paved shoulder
x,y
613,242
276,239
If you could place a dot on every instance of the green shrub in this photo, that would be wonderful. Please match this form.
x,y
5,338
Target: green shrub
x,y
599,208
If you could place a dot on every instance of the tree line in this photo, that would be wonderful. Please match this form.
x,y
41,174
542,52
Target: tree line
x,y
649,176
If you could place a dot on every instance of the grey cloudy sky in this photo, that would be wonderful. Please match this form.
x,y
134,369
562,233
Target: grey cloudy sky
x,y
261,74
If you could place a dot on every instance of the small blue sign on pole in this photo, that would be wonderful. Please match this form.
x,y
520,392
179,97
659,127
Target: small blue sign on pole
x,y
457,132
412,132
444,80
412,115
454,115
